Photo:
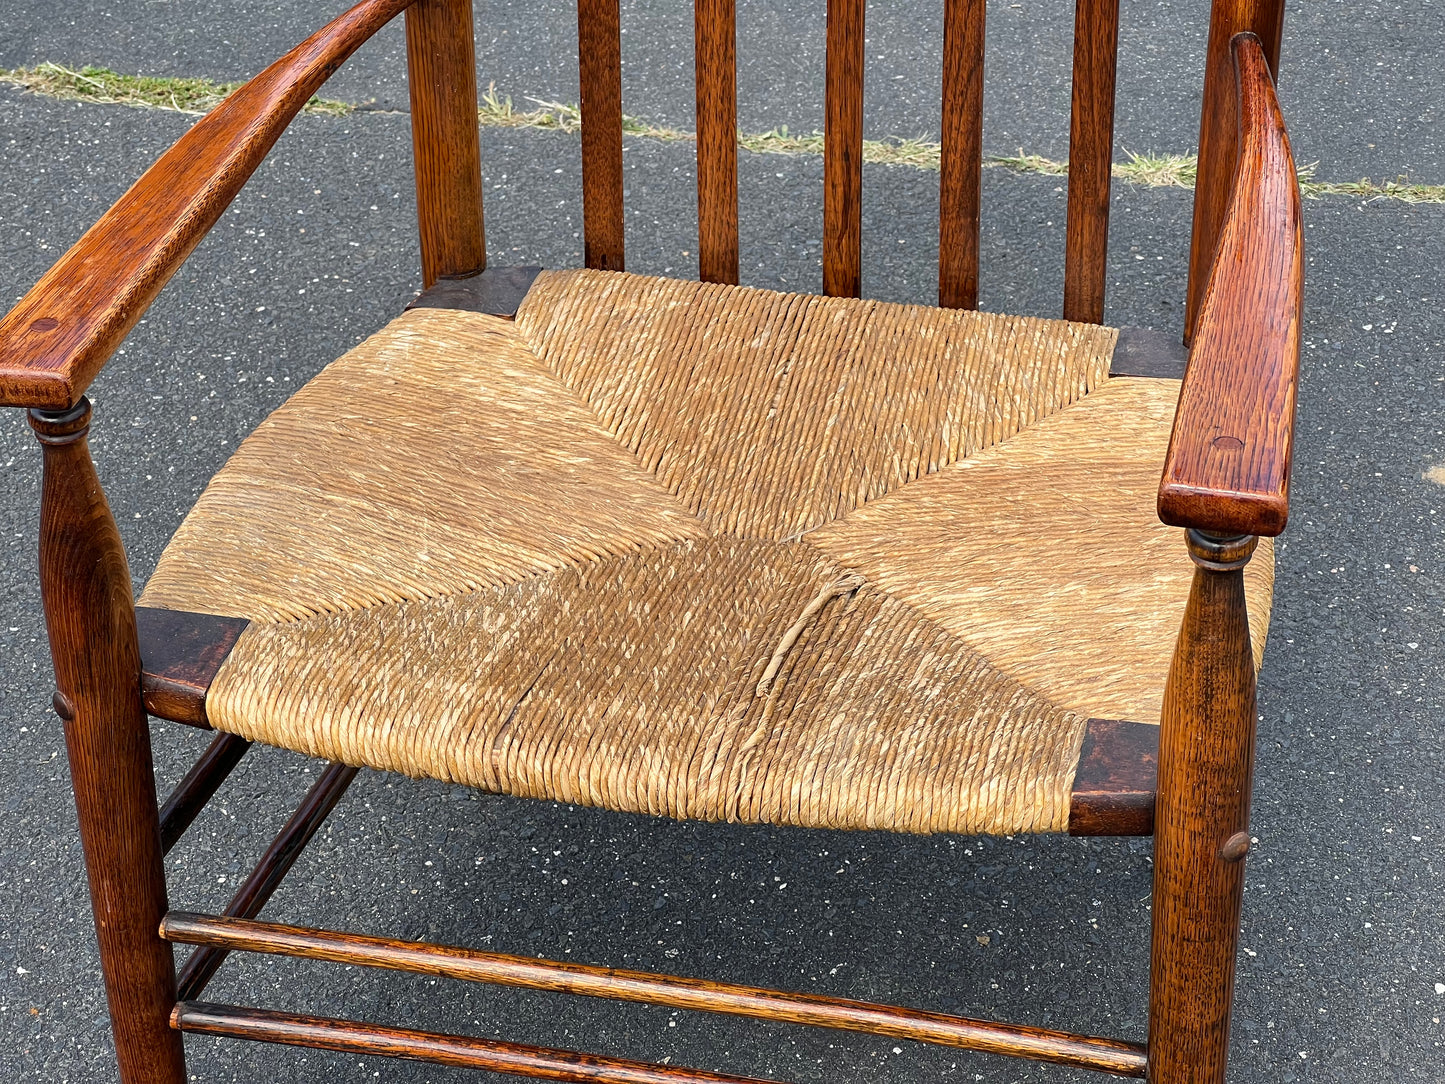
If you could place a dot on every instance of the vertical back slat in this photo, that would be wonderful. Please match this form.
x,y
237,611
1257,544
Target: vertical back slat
x,y
442,73
961,160
843,151
717,141
1091,156
599,49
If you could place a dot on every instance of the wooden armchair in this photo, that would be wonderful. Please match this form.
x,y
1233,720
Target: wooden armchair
x,y
694,549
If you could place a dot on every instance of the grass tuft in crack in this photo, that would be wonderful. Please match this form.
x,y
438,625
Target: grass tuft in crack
x,y
91,84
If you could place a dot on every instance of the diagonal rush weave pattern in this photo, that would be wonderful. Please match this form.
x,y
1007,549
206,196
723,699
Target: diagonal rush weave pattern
x,y
704,551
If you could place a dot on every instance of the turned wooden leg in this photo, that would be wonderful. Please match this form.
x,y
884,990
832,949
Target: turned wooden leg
x,y
1201,820
91,619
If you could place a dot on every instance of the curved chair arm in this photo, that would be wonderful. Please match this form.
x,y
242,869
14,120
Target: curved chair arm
x,y
60,334
1227,470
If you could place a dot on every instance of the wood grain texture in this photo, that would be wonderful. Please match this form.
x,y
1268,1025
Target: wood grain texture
x,y
1206,759
86,589
1142,351
446,153
961,154
1113,793
599,63
462,1052
180,653
1228,465
198,786
1091,157
497,291
1218,132
715,59
271,870
843,151
694,994
54,341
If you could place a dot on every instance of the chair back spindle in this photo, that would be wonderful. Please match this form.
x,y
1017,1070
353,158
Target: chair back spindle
x,y
961,156
599,47
442,73
1091,158
843,151
1091,143
717,141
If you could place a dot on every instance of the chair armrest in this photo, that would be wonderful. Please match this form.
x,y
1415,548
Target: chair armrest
x,y
60,334
1228,465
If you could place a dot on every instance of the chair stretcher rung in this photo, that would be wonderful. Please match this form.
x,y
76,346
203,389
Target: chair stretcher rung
x,y
1064,1048
462,1052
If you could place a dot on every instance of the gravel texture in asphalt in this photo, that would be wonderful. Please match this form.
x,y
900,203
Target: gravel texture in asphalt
x,y
1344,925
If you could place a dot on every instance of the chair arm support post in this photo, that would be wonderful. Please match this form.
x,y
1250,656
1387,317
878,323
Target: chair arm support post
x,y
90,617
442,73
1201,819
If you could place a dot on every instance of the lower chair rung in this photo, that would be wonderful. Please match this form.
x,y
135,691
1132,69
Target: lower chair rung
x,y
351,1037
1064,1048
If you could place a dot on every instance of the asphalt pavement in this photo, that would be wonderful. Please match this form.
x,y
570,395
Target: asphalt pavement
x,y
1342,976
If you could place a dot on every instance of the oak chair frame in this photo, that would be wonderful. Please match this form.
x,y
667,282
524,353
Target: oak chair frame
x,y
1225,479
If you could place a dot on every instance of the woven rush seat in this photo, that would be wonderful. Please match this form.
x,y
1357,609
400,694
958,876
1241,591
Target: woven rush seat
x,y
704,551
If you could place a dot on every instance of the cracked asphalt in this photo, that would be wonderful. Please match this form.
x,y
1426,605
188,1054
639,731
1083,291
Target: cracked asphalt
x,y
1342,977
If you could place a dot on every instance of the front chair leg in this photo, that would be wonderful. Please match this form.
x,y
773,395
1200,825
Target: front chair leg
x,y
1201,825
91,620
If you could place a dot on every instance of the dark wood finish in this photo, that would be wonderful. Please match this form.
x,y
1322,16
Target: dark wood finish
x,y
1206,759
86,589
1228,465
54,341
199,785
961,155
446,153
715,60
458,963
599,62
843,151
1114,784
271,870
497,291
180,653
1091,158
1218,132
1142,351
462,1052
